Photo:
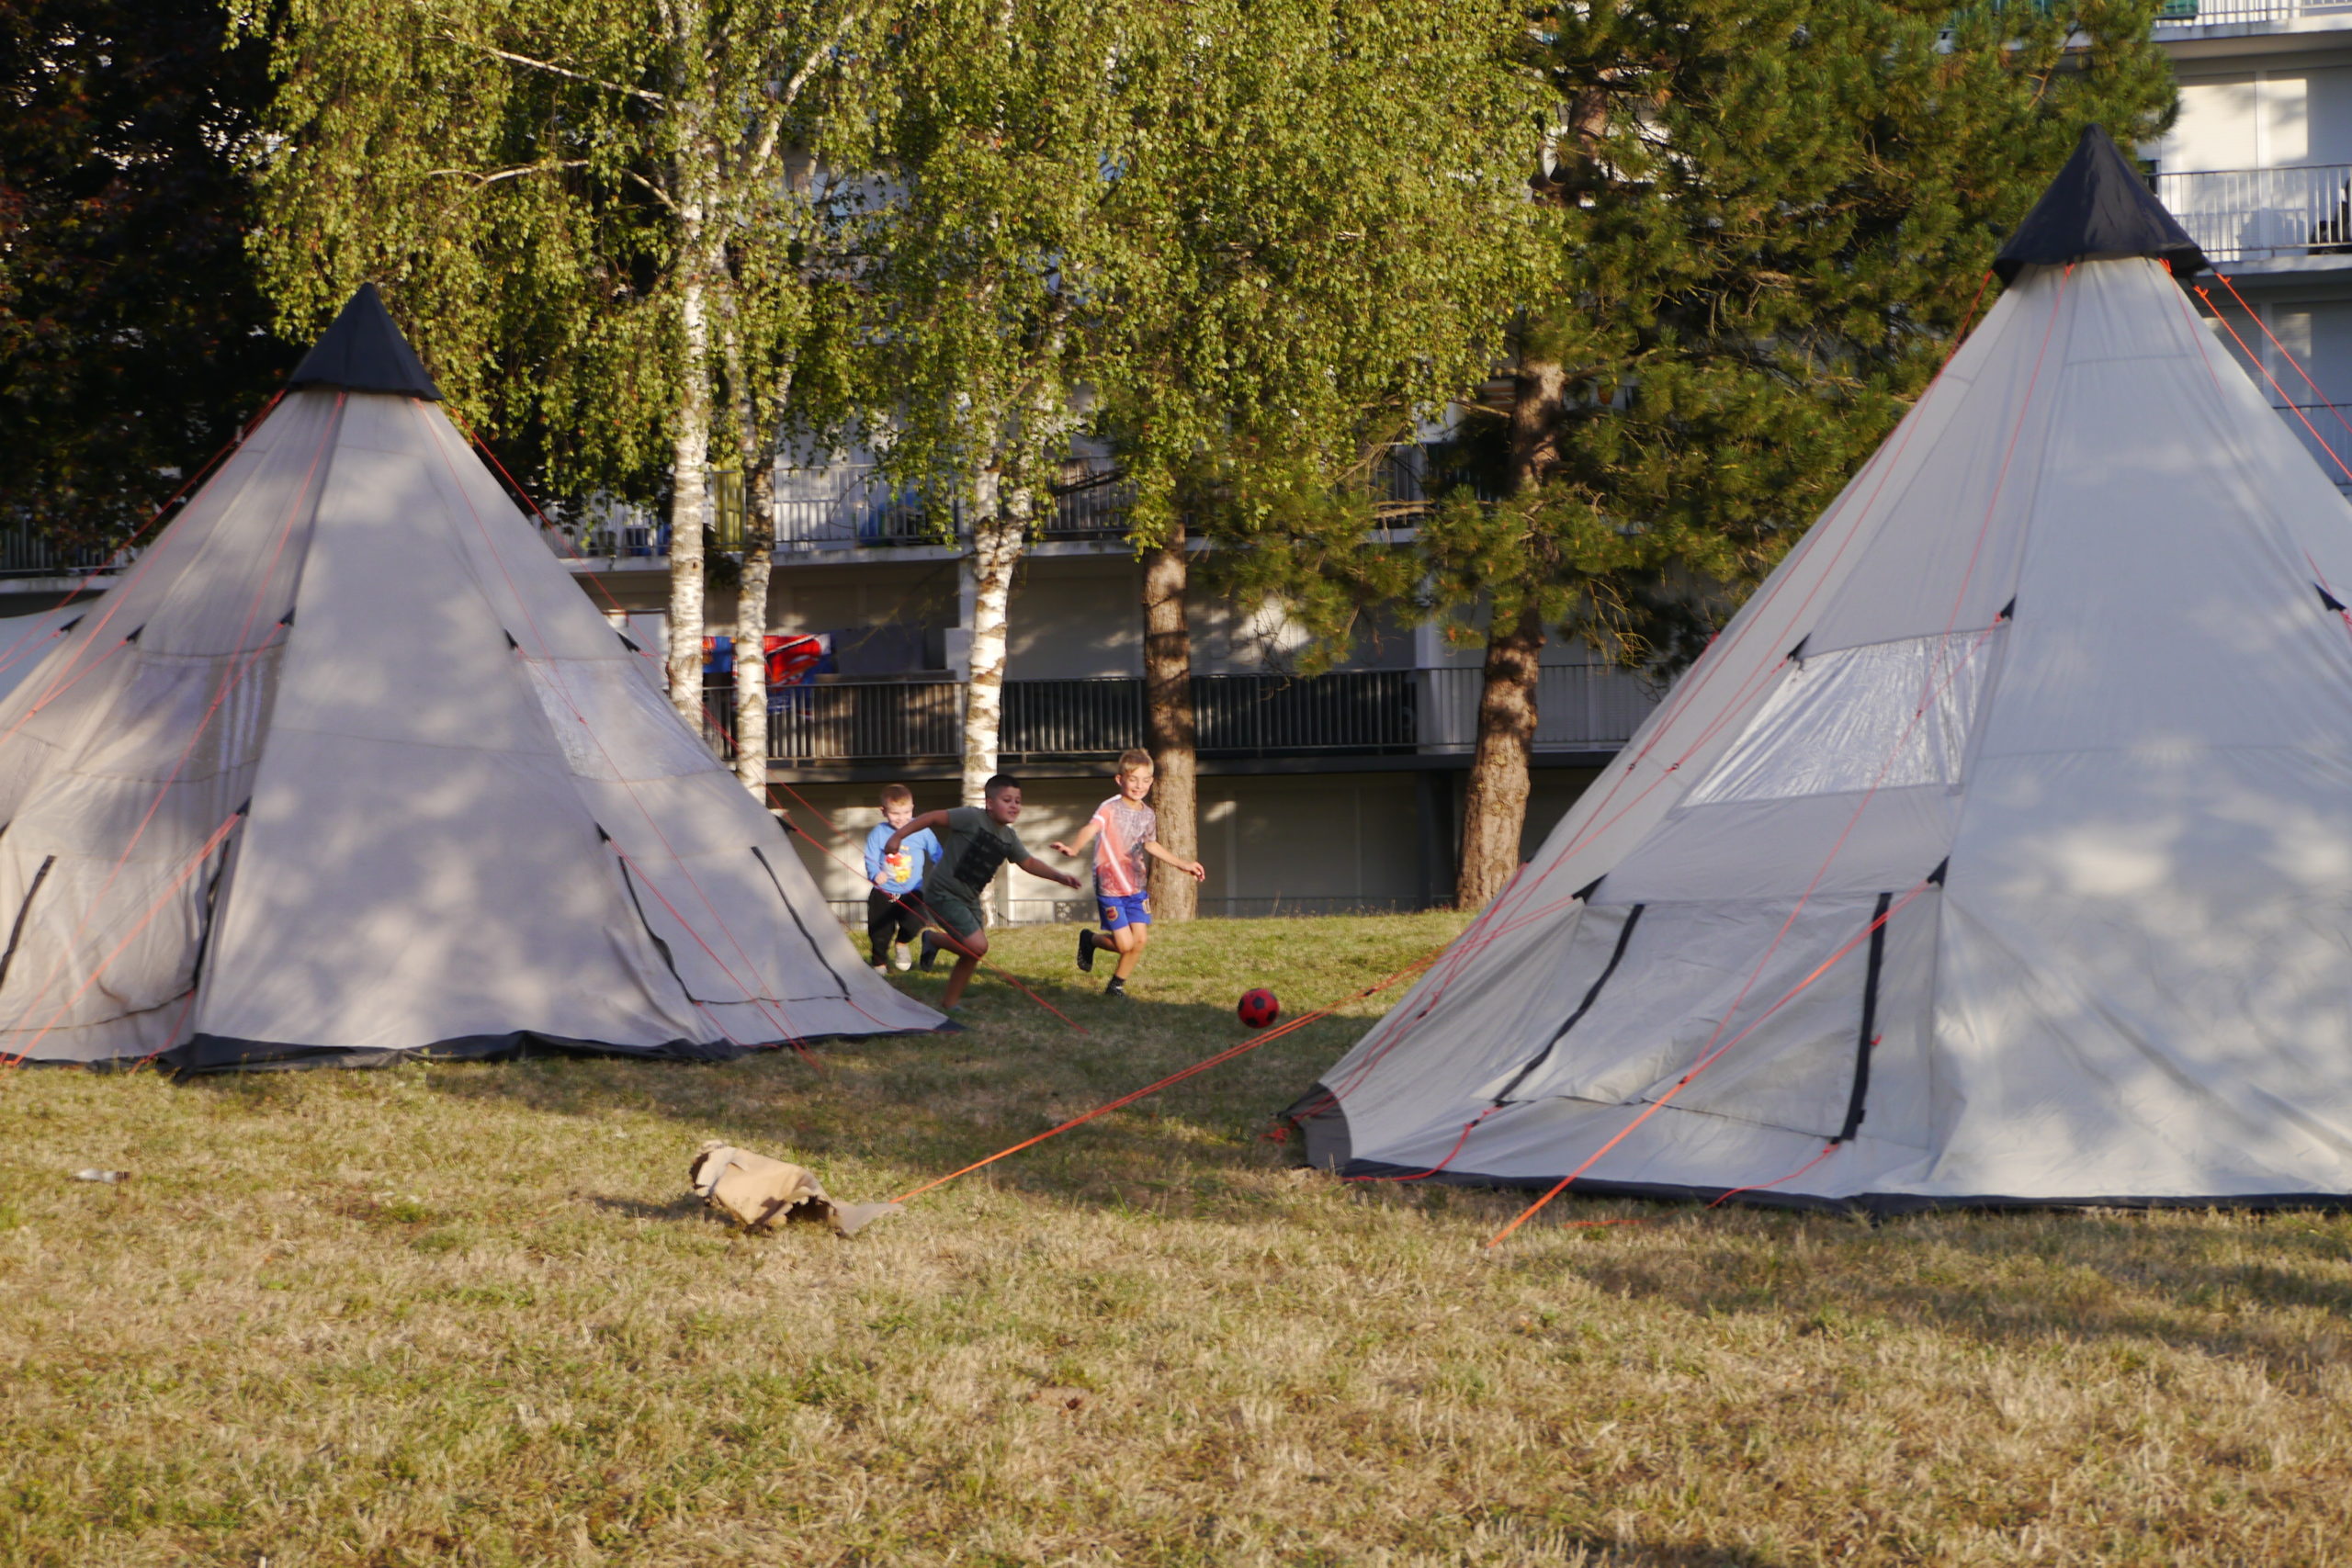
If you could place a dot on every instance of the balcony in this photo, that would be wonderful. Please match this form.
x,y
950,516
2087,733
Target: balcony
x,y
2178,14
2241,215
24,553
1397,713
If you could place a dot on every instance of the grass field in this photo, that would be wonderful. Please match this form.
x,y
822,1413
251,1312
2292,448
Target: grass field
x,y
465,1315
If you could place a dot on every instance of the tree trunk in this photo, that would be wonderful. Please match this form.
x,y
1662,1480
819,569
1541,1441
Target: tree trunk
x,y
1494,811
752,615
999,532
689,490
693,169
1169,731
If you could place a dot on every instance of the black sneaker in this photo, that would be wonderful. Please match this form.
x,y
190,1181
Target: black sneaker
x,y
1086,951
930,950
1117,987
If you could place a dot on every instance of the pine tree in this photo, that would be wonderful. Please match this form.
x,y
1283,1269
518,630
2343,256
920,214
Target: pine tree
x,y
1768,218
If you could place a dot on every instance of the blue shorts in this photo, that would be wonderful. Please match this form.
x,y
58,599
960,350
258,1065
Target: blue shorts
x,y
1123,909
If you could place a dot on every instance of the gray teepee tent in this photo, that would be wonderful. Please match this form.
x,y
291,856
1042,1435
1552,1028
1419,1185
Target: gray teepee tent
x,y
1999,850
348,767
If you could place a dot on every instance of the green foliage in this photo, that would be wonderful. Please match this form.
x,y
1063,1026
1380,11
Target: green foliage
x,y
132,332
989,255
1261,238
1768,218
534,230
1329,200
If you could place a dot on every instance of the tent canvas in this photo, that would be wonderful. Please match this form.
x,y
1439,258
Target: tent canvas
x,y
347,767
1999,851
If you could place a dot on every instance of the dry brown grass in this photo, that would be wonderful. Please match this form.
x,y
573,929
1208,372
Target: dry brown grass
x,y
461,1314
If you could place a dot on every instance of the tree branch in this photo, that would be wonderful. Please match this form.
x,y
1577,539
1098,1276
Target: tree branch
x,y
656,192
554,69
771,121
497,174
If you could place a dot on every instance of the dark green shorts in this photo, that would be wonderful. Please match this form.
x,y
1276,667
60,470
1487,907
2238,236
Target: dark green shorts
x,y
960,915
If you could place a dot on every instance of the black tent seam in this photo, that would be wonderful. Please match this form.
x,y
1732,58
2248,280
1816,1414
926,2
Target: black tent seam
x,y
2327,599
669,959
17,933
204,931
1867,1040
799,922
1625,935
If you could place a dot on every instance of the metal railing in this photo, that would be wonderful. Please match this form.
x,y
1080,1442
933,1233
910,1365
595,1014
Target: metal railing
x,y
2257,214
1578,706
2322,431
2213,13
1375,712
24,553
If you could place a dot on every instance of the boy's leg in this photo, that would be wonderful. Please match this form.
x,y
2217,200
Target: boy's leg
x,y
1128,919
962,933
906,925
881,919
972,948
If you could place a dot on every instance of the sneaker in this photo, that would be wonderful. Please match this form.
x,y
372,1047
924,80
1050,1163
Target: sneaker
x,y
930,951
1117,987
885,968
901,959
1086,951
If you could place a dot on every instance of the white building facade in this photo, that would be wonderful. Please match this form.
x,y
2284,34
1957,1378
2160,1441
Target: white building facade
x,y
2259,168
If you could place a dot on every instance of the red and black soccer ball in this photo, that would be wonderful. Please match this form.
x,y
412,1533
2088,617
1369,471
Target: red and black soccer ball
x,y
1259,1009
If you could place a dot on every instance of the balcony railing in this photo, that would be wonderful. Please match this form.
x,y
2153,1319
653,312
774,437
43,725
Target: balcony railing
x,y
24,553
2258,214
2213,13
1363,712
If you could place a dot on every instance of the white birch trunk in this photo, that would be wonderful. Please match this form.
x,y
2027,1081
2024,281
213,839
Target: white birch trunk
x,y
689,492
695,168
998,533
750,628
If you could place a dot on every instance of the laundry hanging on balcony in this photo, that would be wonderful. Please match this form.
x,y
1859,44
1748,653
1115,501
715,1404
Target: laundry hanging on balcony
x,y
1999,851
348,768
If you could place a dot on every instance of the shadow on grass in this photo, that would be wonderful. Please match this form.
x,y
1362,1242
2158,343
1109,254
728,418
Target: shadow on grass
x,y
2181,1281
911,1108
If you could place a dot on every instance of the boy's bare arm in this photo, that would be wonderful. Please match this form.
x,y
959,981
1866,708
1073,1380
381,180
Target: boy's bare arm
x,y
915,825
1077,846
1190,868
1038,868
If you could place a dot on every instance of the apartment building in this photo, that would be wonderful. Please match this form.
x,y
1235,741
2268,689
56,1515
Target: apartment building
x,y
2259,168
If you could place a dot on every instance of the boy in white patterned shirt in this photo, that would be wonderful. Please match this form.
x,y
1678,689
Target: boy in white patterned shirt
x,y
1124,831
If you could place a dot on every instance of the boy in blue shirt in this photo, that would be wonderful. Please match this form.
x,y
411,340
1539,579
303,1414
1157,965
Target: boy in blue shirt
x,y
891,921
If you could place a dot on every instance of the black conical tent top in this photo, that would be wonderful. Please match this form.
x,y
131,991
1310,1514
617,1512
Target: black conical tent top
x,y
2100,208
364,352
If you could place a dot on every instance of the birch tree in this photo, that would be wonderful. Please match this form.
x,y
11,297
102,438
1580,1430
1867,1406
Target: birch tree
x,y
987,263
561,233
1767,218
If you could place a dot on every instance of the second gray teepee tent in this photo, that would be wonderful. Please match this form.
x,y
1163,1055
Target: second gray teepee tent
x,y
347,767
1999,851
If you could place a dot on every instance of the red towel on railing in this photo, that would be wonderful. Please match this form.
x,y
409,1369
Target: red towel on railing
x,y
792,657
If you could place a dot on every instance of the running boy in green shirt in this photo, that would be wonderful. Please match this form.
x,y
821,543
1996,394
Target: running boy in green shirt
x,y
973,842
